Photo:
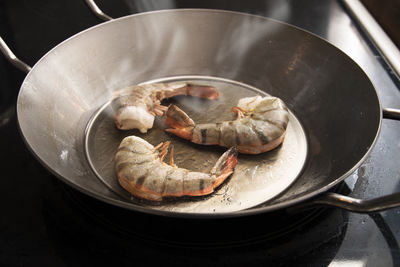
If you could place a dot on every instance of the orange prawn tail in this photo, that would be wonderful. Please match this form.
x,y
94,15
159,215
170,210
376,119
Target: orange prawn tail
x,y
225,166
182,125
202,91
209,92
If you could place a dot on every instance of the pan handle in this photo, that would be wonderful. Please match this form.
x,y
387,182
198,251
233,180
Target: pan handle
x,y
354,204
97,11
391,113
12,58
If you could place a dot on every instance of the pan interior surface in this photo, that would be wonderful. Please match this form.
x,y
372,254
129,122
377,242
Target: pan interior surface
x,y
257,178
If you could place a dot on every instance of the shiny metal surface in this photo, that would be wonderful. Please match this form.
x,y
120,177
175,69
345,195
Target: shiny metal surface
x,y
330,95
257,178
375,33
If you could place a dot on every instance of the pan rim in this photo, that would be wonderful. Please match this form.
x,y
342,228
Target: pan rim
x,y
246,212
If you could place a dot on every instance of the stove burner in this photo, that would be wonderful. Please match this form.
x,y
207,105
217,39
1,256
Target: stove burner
x,y
94,229
200,233
276,236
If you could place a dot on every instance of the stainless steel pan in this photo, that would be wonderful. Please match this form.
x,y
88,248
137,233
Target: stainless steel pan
x,y
335,120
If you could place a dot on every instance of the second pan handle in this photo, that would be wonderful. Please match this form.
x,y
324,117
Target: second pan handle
x,y
13,59
97,11
354,204
391,113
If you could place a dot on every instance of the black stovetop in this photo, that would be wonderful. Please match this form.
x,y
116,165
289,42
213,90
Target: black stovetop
x,y
44,222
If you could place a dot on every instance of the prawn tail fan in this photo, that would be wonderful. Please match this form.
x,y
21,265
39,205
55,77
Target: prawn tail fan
x,y
182,125
225,166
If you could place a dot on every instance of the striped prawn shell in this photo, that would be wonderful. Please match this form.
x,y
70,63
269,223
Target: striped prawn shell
x,y
262,128
141,172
